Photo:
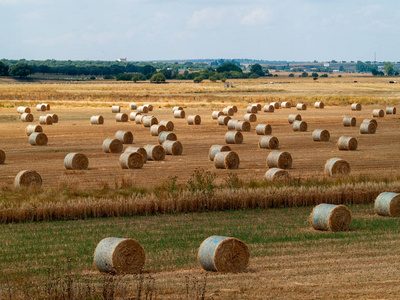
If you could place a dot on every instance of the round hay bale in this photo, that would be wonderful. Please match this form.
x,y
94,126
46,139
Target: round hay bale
x,y
299,126
157,129
223,120
172,147
349,121
216,114
217,148
115,109
319,104
228,111
139,150
27,179
45,120
133,106
337,166
23,110
268,142
321,135
194,120
126,137
41,107
232,124
234,137
367,128
38,139
263,129
97,120
347,143
356,106
119,256
388,204
276,174
250,117
279,159
131,160
112,146
33,128
54,117
378,113
168,124
143,109
269,108
76,161
301,106
286,104
149,121
2,157
234,107
258,105
294,117
223,254
179,114
139,119
390,110
154,152
27,117
275,104
371,121
330,217
177,108
226,160
149,107
166,136
121,117
46,105
251,109
242,126
133,115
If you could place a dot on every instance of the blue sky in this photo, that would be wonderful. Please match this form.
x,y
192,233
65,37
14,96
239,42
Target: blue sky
x,y
292,30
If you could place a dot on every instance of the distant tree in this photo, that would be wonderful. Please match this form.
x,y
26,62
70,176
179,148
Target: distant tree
x,y
198,79
44,69
254,75
324,75
315,75
291,75
21,69
147,69
304,74
124,77
341,69
108,77
213,78
3,69
375,72
229,66
257,69
157,78
333,61
389,69
139,77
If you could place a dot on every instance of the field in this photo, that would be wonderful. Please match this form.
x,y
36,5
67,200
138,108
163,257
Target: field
x,y
288,258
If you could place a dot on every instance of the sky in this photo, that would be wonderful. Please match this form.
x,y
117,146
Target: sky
x,y
290,30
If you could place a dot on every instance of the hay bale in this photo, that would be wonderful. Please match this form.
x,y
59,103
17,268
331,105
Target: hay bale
x,y
139,150
154,152
356,106
112,146
371,121
263,129
232,124
33,128
133,106
226,160
321,135
234,107
330,217
388,204
97,120
168,124
46,105
337,166
139,119
41,107
76,161
194,120
121,117
234,137
268,142
45,120
319,104
126,137
149,107
349,121
157,129
347,143
54,117
119,256
166,136
223,120
299,126
279,159
131,160
251,109
133,115
214,149
216,114
223,254
286,104
367,128
276,174
23,110
228,111
390,110
177,108
179,114
27,117
378,113
301,106
172,147
250,117
294,117
28,179
269,108
149,121
2,157
275,104
143,109
258,105
115,109
242,126
38,139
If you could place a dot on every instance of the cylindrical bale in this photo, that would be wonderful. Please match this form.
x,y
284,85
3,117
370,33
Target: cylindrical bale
x,y
279,159
2,156
168,124
115,109
38,139
319,104
294,117
228,111
139,150
300,126
143,109
390,110
388,204
139,119
46,105
41,107
54,117
154,152
119,256
275,104
27,117
349,121
321,135
371,121
243,126
112,146
269,108
172,147
301,106
217,148
132,115
226,160
23,110
131,160
27,179
232,124
263,129
149,121
286,104
76,161
133,106
367,128
166,136
330,217
251,109
234,137
45,120
268,142
216,114
97,120
223,254
258,105
337,166
126,137
276,174
157,129
223,120
179,114
347,143
121,117
356,106
378,113
177,108
149,107
194,120
33,128
234,107
250,117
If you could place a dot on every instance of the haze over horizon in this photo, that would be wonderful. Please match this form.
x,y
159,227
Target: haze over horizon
x,y
290,30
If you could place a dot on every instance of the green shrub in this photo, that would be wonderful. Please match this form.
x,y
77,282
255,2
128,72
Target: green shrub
x,y
198,79
124,77
157,78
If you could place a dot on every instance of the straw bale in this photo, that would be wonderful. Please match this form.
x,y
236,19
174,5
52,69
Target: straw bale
x,y
179,114
23,110
121,117
330,217
112,146
250,117
157,129
378,113
349,121
223,120
131,160
234,137
139,150
149,107
263,129
149,121
54,117
177,108
132,115
97,120
126,137
301,106
168,124
347,143
337,167
194,120
276,174
276,105
319,104
294,117
390,110
356,106
214,149
258,105
115,109
251,109
232,124
228,111
300,126
279,159
38,139
41,107
45,120
133,106
268,142
46,105
27,179
2,156
269,108
242,126
286,104
371,121
76,161
143,109
27,117
234,107
216,114
388,204
166,136
226,160
33,128
155,152
367,128
172,147
139,118
321,135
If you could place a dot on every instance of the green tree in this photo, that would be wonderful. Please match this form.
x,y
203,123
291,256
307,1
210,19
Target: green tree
x,y
139,77
229,66
213,78
291,75
388,68
21,69
257,69
3,69
198,79
124,77
315,75
304,74
254,75
157,78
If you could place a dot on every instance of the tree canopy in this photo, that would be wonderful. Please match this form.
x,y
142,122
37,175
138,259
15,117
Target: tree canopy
x,y
21,69
229,66
3,69
257,69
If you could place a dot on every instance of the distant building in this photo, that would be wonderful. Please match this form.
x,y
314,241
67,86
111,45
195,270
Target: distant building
x,y
326,65
122,59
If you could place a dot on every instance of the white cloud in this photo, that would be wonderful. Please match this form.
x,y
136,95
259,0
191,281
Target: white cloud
x,y
258,16
207,18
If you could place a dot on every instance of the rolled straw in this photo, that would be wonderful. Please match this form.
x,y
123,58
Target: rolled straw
x,y
330,217
226,160
388,204
76,161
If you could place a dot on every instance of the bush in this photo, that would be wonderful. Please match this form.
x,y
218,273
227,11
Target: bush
x,y
124,77
198,79
3,69
291,75
213,78
315,75
315,78
157,78
139,77
92,77
275,75
21,69
324,75
108,77
254,75
304,74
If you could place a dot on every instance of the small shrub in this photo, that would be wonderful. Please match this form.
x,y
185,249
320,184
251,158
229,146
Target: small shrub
x,y
291,75
157,78
105,77
198,79
202,181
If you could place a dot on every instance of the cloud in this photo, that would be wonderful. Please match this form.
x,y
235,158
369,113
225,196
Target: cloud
x,y
160,17
207,18
258,16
